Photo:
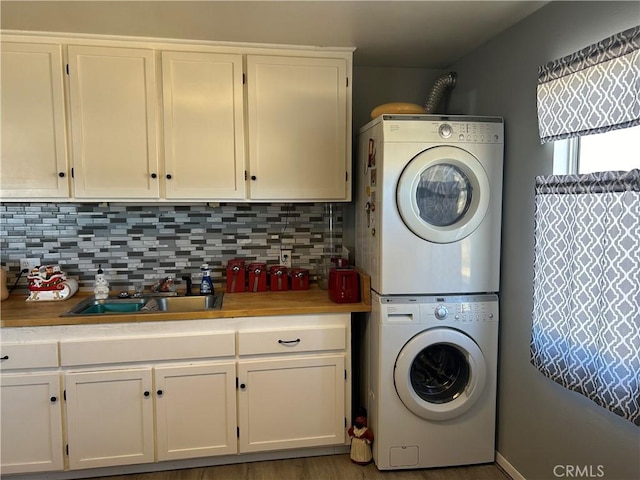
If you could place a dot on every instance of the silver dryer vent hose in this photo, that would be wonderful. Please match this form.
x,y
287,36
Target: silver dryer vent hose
x,y
439,87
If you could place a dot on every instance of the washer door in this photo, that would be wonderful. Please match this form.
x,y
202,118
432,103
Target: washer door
x,y
440,373
443,194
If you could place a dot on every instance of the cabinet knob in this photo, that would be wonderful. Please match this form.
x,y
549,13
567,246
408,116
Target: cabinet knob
x,y
54,399
159,392
146,394
168,176
253,177
242,386
61,174
154,175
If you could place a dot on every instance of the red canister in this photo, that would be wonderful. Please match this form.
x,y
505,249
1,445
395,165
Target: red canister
x,y
257,277
235,275
299,279
279,278
343,285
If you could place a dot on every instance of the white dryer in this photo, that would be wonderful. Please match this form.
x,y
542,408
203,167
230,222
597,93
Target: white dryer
x,y
432,376
429,203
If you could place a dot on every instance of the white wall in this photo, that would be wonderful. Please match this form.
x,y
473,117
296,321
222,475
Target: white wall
x,y
540,424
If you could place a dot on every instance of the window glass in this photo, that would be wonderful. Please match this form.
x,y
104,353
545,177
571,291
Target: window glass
x,y
614,150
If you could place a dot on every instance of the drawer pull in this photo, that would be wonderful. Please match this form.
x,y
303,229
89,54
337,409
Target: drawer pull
x,y
289,342
6,357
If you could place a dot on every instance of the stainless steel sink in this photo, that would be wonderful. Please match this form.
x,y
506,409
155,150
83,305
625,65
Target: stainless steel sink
x,y
187,304
146,304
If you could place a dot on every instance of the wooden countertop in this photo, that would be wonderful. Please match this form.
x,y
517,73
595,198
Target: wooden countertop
x,y
15,312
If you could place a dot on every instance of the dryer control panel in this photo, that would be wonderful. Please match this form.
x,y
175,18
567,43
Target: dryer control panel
x,y
449,129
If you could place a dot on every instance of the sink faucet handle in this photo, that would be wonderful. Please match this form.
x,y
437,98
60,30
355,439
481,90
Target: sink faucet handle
x,y
187,278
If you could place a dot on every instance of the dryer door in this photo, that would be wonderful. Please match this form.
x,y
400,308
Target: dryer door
x,y
440,373
443,194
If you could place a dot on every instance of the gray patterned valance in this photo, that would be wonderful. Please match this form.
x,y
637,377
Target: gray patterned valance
x,y
591,91
586,312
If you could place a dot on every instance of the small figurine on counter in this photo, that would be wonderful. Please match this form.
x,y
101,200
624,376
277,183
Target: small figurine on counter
x,y
101,289
361,440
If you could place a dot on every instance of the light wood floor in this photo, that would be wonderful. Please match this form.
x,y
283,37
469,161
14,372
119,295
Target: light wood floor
x,y
334,467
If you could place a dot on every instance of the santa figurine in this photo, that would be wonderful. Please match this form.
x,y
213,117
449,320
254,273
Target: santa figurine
x,y
361,439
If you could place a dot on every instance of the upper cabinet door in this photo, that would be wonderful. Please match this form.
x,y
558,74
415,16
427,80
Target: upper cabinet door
x,y
203,125
299,132
114,122
34,152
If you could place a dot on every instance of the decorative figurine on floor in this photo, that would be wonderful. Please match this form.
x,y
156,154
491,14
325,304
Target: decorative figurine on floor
x,y
361,440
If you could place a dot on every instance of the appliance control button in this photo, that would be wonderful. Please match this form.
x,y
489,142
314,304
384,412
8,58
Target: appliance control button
x,y
441,312
445,130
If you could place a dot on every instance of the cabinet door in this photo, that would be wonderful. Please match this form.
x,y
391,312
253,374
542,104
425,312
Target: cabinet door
x,y
203,125
298,128
109,418
31,417
291,403
113,122
34,152
195,411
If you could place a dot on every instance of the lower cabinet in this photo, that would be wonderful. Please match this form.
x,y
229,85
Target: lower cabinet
x,y
291,403
195,410
120,417
109,418
31,442
170,391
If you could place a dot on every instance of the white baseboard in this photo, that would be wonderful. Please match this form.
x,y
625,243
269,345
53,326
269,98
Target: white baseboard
x,y
508,468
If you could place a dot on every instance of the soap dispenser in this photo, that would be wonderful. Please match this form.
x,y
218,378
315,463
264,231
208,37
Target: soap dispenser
x,y
101,289
206,285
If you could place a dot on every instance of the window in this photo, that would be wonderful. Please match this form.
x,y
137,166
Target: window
x,y
585,154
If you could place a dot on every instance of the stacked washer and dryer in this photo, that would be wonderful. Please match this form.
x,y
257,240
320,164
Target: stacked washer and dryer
x,y
428,223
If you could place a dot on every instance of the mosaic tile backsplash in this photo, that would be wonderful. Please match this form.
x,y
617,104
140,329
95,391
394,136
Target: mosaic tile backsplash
x,y
142,244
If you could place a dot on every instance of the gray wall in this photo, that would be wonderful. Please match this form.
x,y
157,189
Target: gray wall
x,y
540,424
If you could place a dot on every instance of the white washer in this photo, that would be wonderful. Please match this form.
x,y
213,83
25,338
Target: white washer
x,y
429,203
432,380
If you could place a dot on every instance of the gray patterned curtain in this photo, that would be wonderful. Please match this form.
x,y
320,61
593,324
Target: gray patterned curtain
x,y
586,313
591,91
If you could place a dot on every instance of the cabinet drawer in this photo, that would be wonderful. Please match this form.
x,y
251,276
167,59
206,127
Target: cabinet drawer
x,y
292,340
28,355
145,349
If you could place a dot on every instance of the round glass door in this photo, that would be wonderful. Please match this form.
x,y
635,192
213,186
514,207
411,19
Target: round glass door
x,y
443,194
439,374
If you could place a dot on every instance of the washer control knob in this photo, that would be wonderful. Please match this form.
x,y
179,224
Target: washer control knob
x,y
441,312
445,130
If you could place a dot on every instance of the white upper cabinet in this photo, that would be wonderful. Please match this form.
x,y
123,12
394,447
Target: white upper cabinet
x,y
113,122
173,121
33,161
299,122
203,125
